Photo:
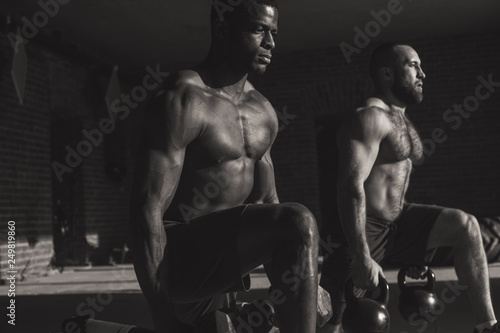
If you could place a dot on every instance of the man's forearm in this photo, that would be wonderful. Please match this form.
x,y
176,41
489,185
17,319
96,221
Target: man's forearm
x,y
353,218
149,241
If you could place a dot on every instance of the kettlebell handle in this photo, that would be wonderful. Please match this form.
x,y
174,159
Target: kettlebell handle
x,y
382,285
431,279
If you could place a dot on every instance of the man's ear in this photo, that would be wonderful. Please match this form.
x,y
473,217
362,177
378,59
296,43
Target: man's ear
x,y
386,74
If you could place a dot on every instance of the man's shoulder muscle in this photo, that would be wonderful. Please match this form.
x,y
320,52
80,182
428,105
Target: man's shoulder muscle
x,y
175,107
366,122
184,87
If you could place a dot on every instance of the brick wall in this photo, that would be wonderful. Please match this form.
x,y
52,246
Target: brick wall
x,y
319,86
95,205
64,96
26,195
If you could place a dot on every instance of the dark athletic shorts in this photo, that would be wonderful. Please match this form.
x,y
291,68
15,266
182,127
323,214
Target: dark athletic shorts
x,y
403,241
203,262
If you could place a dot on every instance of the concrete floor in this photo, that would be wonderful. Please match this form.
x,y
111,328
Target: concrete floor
x,y
112,294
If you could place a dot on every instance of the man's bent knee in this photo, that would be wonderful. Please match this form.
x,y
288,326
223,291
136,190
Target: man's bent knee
x,y
298,221
466,225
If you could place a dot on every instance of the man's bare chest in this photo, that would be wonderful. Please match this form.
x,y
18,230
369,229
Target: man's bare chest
x,y
234,131
402,142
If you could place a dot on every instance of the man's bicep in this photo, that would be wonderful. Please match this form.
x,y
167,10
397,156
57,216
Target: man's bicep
x,y
269,178
357,155
359,142
361,157
157,177
171,120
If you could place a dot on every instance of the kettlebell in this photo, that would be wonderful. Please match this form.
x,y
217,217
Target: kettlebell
x,y
417,300
366,315
258,317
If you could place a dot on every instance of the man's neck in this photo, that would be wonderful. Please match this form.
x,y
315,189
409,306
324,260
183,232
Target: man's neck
x,y
220,75
387,102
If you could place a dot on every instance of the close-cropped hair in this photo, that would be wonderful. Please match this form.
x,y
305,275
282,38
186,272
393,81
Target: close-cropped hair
x,y
232,10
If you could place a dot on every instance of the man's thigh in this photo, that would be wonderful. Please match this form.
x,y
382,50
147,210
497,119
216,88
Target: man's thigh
x,y
266,227
410,242
203,263
202,256
214,253
445,231
211,254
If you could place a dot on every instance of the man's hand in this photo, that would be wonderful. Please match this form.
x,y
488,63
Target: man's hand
x,y
366,272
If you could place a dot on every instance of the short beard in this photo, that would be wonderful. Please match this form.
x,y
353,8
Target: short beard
x,y
406,93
